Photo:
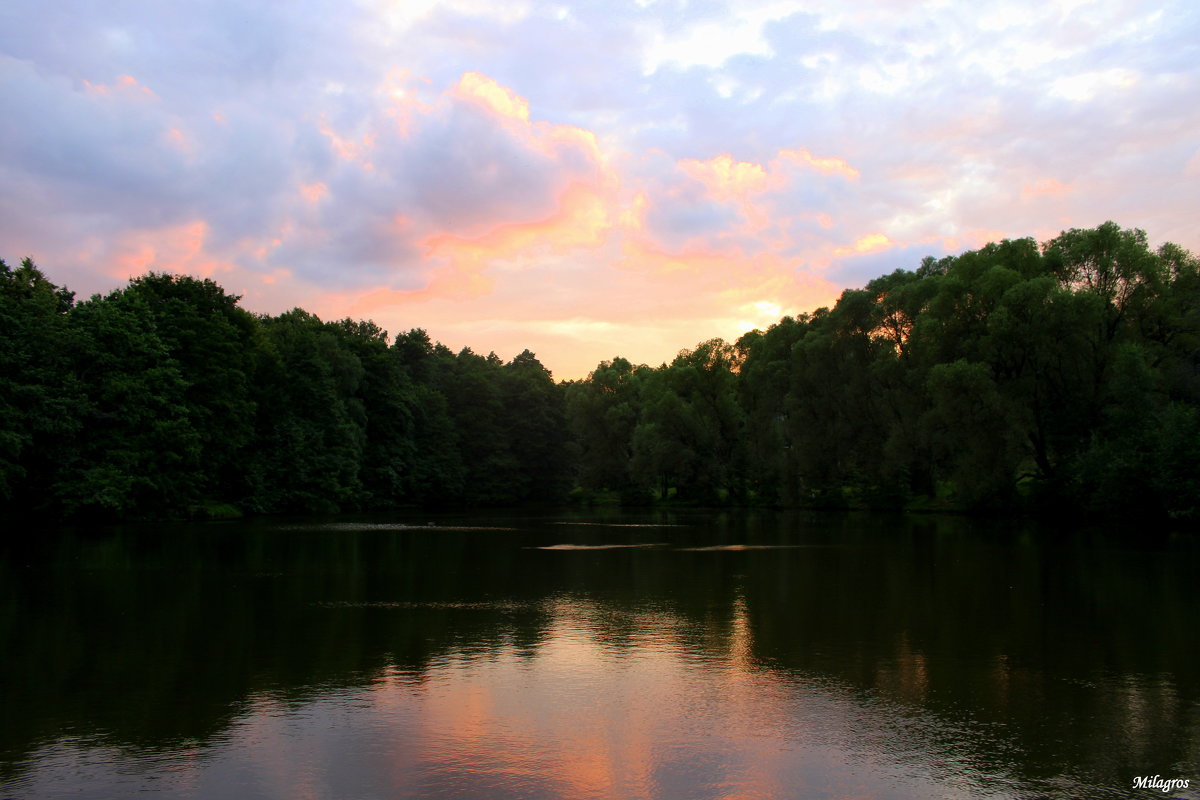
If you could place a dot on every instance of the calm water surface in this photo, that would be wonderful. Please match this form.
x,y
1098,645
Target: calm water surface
x,y
599,656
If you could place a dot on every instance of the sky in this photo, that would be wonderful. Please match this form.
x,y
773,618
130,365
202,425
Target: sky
x,y
584,180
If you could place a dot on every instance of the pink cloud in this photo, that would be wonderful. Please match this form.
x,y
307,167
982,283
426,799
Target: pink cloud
x,y
125,86
506,213
348,148
1045,187
175,248
595,278
1192,168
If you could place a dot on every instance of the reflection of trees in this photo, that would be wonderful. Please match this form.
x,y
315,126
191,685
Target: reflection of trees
x,y
151,640
1077,648
1073,652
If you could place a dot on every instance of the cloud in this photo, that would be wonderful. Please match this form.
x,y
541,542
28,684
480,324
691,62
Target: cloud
x,y
584,179
476,160
710,40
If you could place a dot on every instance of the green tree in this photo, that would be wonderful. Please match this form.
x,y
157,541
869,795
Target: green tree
x,y
535,425
689,432
311,426
387,398
40,402
438,475
973,434
602,413
142,454
213,343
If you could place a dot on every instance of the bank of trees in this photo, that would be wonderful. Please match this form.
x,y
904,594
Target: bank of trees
x,y
1065,376
166,399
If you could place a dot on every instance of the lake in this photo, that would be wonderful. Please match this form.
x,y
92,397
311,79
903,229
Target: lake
x,y
685,655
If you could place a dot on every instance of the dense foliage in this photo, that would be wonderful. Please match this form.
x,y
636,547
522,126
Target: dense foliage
x,y
166,399
1065,376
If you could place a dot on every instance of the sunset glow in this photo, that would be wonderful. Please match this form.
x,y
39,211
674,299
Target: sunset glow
x,y
582,181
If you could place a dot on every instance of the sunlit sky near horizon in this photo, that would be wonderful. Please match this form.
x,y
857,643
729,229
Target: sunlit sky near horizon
x,y
584,180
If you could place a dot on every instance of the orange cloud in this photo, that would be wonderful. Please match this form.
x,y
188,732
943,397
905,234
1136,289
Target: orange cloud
x,y
633,217
504,103
826,166
729,180
581,221
551,138
501,100
641,254
460,253
603,278
745,182
726,178
871,243
768,296
729,292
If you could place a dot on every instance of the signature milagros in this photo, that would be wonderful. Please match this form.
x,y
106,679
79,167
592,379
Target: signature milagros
x,y
1163,785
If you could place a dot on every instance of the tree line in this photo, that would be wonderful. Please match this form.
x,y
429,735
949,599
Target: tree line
x,y
166,398
1060,377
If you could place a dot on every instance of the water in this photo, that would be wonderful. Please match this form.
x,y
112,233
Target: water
x,y
599,656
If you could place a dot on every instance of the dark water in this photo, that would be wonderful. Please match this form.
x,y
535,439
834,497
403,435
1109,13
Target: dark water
x,y
621,656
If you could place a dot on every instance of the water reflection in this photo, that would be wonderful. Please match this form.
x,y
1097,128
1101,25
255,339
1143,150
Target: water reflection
x,y
765,657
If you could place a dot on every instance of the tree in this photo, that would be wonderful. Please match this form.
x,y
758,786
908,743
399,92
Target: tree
x,y
535,424
40,402
311,423
438,475
213,342
602,413
688,434
142,453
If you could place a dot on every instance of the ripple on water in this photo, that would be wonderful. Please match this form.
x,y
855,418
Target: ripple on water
x,y
599,546
740,547
621,524
391,526
484,605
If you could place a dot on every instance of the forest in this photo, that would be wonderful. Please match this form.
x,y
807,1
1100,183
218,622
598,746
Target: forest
x,y
1061,378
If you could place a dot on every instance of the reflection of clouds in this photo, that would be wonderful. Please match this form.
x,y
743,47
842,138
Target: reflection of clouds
x,y
613,701
648,718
